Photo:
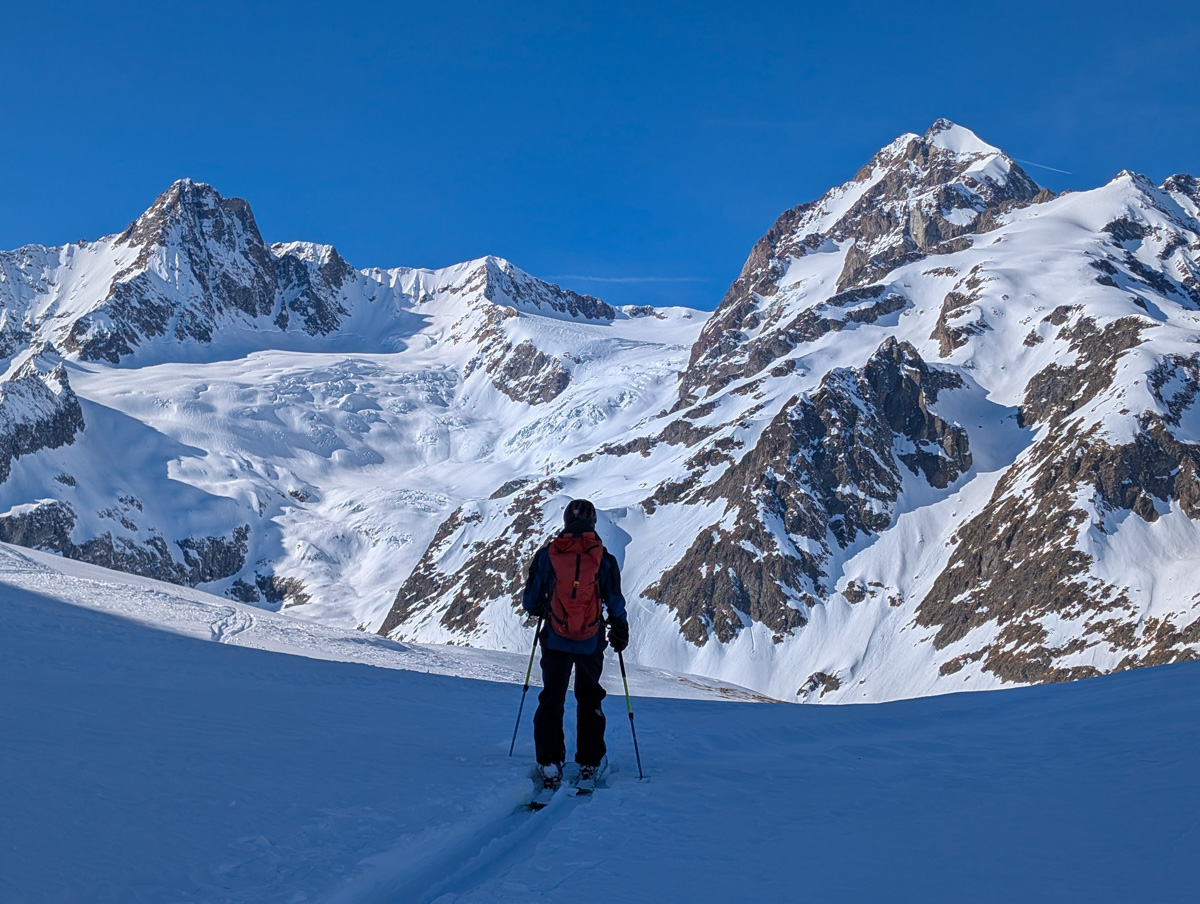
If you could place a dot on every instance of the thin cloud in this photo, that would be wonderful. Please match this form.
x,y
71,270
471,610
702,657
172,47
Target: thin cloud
x,y
631,279
1053,169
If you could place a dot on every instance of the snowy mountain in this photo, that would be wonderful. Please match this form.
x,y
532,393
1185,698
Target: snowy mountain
x,y
940,434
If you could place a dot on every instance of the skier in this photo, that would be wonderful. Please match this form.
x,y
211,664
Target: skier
x,y
569,579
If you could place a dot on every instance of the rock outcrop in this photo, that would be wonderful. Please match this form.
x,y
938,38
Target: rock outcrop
x,y
38,410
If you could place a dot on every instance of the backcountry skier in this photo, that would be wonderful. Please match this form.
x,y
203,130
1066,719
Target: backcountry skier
x,y
569,580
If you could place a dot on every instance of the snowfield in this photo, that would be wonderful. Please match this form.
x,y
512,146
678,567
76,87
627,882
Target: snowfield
x,y
143,762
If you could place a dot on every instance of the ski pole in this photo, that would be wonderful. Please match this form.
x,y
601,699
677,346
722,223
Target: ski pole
x,y
528,672
629,706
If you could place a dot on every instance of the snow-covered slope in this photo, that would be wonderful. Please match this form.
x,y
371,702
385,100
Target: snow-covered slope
x,y
940,434
145,765
937,436
193,613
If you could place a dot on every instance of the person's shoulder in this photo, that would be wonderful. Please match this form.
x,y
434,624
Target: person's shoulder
x,y
541,558
610,560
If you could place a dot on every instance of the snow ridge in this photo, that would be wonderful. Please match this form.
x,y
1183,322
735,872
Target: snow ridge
x,y
940,434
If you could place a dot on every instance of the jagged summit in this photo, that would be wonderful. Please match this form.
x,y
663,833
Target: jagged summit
x,y
958,139
196,208
194,267
918,196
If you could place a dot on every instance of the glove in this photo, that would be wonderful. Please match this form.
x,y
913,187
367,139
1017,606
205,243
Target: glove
x,y
618,633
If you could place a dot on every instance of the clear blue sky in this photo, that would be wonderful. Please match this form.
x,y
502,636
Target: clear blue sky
x,y
632,150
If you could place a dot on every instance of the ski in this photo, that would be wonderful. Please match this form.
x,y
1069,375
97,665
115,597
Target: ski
x,y
585,786
541,799
546,780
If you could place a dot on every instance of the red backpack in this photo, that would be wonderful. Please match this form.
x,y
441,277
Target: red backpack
x,y
575,605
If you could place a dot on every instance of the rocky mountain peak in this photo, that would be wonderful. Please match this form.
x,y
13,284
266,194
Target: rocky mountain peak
x,y
489,282
506,284
197,214
956,139
918,196
1184,184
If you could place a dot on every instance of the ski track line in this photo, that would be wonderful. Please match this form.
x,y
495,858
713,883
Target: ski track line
x,y
454,862
12,562
499,850
231,624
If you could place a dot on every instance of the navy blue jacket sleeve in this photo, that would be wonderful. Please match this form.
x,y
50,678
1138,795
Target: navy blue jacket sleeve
x,y
539,584
610,587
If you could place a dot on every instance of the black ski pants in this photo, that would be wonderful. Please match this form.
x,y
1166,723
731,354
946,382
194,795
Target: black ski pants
x,y
548,720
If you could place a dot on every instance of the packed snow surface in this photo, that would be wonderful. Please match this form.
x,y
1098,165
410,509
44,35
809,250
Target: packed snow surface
x,y
143,764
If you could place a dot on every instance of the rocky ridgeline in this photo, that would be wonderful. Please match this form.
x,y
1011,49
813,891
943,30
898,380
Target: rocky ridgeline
x,y
927,436
798,485
915,198
201,560
199,262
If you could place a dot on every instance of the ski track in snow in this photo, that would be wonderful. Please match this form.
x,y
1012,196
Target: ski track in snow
x,y
231,624
142,762
477,853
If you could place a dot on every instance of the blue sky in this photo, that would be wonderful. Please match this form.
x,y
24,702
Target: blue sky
x,y
635,151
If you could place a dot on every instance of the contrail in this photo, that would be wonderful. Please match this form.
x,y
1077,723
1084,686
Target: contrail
x,y
1043,166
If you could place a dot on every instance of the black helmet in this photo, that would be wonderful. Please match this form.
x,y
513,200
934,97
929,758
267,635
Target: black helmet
x,y
580,515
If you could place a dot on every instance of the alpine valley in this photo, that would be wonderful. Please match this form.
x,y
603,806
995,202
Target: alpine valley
x,y
940,434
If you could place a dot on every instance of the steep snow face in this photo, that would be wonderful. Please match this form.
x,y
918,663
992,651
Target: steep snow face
x,y
940,434
900,465
918,196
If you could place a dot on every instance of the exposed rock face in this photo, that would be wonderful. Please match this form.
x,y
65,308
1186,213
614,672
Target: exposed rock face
x,y
48,526
467,575
192,263
1025,557
818,684
38,411
824,472
951,331
522,371
45,526
527,374
275,590
918,196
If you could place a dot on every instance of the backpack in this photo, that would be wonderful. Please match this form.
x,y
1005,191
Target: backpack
x,y
575,603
